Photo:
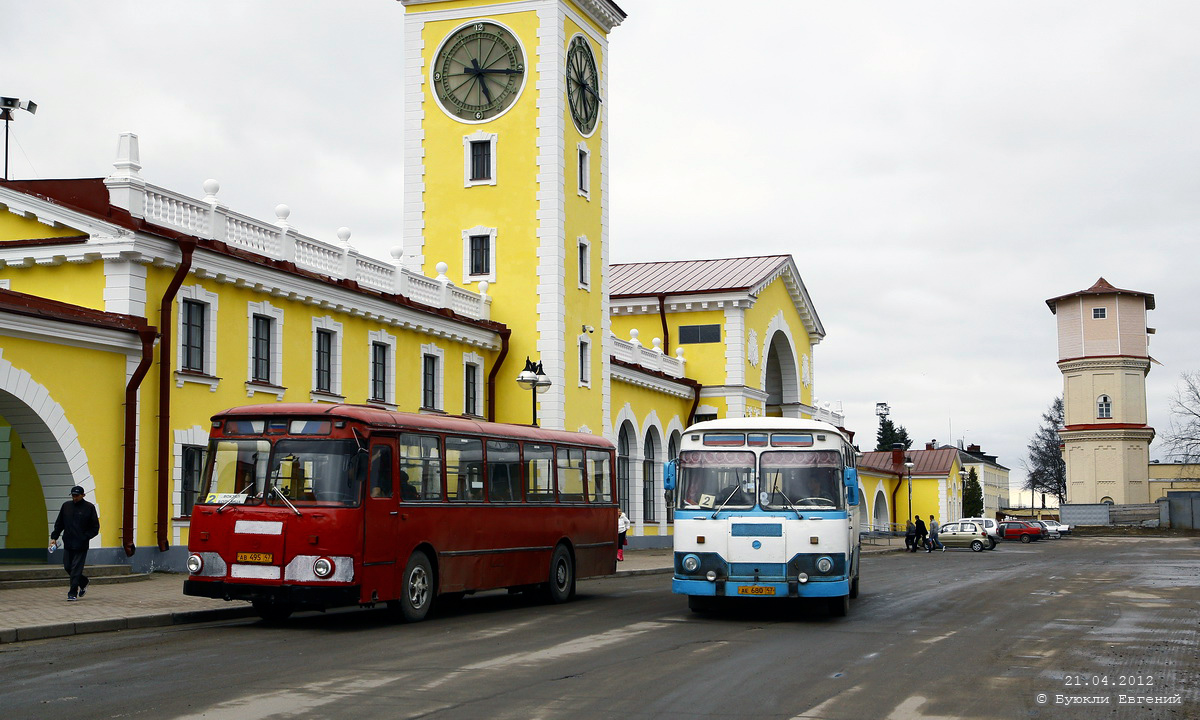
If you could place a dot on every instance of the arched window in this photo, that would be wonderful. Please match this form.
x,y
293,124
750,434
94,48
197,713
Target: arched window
x,y
1107,500
650,473
1104,407
623,467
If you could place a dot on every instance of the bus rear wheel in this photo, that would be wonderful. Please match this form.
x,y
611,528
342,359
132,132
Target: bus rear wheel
x,y
416,592
272,612
561,587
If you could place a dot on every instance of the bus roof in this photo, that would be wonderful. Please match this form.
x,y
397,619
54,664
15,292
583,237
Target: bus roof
x,y
383,418
759,424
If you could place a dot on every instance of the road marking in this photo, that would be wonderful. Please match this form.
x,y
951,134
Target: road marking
x,y
291,702
571,647
819,711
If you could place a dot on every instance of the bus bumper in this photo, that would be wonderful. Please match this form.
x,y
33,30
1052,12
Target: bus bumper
x,y
300,596
729,588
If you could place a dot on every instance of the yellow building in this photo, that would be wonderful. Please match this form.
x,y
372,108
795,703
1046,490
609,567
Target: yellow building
x,y
131,313
898,484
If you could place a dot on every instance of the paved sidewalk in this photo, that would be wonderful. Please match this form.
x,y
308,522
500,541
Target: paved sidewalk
x,y
43,612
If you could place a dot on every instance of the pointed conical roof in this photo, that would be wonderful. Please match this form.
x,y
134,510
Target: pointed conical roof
x,y
1101,287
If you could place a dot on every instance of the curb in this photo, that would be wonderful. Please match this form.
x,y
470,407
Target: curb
x,y
134,622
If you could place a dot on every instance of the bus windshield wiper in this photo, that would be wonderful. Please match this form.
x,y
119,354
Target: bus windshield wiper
x,y
227,502
789,502
275,489
736,489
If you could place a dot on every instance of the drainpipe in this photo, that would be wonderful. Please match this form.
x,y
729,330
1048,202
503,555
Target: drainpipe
x,y
491,381
695,404
147,336
165,455
662,316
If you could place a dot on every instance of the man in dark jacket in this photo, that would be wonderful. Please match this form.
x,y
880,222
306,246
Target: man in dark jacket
x,y
922,533
77,523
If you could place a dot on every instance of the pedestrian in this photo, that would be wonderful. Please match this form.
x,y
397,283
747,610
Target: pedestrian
x,y
910,537
77,523
934,543
922,534
622,529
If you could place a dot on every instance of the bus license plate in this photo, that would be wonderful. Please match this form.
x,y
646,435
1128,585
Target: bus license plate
x,y
255,558
756,590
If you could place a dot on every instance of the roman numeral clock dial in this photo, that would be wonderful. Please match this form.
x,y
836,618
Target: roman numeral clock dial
x,y
583,86
478,72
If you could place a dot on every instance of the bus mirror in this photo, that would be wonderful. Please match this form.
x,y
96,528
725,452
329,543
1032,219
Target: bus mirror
x,y
850,477
852,495
669,470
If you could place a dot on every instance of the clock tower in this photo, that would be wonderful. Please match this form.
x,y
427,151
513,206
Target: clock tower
x,y
506,184
1103,354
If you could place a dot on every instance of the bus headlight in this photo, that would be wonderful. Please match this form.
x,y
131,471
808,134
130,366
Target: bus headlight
x,y
824,564
711,575
195,564
691,564
802,577
323,567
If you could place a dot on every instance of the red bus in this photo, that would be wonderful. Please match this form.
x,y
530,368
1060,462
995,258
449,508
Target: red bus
x,y
307,506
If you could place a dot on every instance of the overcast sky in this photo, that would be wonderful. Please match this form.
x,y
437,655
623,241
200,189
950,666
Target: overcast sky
x,y
937,169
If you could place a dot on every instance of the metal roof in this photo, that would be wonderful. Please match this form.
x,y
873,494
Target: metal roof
x,y
692,276
1102,287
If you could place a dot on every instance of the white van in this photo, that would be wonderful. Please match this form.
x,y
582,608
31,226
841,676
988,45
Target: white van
x,y
989,526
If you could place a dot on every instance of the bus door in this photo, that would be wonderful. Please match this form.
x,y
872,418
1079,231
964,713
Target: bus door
x,y
380,522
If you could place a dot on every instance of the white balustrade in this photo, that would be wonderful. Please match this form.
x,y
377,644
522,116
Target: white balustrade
x,y
170,209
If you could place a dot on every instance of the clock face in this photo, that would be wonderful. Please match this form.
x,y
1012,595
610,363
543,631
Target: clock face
x,y
478,72
583,86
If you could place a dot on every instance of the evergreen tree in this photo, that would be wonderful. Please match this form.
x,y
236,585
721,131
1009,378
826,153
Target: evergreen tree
x,y
972,496
1045,470
890,433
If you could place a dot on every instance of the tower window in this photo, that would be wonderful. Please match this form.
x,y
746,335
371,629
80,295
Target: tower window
x,y
585,169
585,264
1099,313
1104,407
481,160
480,254
194,332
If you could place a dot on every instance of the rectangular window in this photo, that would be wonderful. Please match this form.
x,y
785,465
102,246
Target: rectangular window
x,y
429,376
262,348
585,264
696,334
571,472
193,466
324,361
585,362
420,467
481,160
539,473
503,471
471,389
194,320
1099,313
464,469
599,480
379,371
379,474
583,171
480,254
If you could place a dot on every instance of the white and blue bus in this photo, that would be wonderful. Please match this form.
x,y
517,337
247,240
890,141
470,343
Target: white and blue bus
x,y
764,508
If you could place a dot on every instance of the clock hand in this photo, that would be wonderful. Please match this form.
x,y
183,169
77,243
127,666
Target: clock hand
x,y
506,71
482,81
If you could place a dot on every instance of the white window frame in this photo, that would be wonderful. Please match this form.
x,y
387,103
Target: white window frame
x,y
583,175
1104,407
335,361
208,378
1100,313
585,268
272,385
467,234
439,381
389,390
480,136
476,360
584,354
195,436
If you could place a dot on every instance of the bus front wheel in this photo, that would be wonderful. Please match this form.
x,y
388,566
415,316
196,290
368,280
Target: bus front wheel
x,y
562,576
272,612
854,587
416,593
839,606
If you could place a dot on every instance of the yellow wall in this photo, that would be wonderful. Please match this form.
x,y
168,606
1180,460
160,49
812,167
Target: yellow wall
x,y
77,284
26,502
15,227
771,300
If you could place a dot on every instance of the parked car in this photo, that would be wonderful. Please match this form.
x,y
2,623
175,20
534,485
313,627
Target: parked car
x,y
1020,530
964,534
1060,527
1047,531
989,526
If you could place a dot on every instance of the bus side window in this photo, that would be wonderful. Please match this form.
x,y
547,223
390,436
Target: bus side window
x,y
380,473
421,467
464,469
504,471
539,473
570,474
598,476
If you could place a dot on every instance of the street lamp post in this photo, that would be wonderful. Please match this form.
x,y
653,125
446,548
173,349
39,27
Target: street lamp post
x,y
534,379
908,463
962,489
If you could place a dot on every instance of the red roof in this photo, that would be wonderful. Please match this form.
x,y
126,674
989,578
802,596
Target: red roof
x,y
925,462
40,307
692,276
1102,287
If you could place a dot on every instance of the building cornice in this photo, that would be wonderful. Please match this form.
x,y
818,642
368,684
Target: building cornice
x,y
638,377
1105,362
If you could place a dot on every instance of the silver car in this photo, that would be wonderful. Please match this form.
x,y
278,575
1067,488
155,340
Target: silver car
x,y
964,534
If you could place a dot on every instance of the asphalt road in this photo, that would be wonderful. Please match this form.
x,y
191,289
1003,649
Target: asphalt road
x,y
942,635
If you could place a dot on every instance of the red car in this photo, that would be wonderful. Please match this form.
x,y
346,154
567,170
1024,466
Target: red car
x,y
1019,530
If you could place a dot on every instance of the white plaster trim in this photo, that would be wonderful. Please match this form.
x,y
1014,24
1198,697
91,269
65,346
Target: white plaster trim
x,y
480,136
196,436
389,380
335,362
125,287
58,332
275,363
735,357
650,382
585,371
583,177
439,380
212,300
790,373
476,16
585,271
490,275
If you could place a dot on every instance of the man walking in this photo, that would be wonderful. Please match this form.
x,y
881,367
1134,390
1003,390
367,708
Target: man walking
x,y
921,534
934,543
77,523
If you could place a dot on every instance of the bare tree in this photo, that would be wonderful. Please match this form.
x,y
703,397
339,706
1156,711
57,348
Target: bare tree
x,y
1183,439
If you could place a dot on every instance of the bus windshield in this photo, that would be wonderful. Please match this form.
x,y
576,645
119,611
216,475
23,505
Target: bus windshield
x,y
802,479
236,472
712,479
306,472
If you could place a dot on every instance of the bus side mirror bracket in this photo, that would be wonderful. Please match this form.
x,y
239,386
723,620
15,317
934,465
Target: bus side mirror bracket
x,y
669,471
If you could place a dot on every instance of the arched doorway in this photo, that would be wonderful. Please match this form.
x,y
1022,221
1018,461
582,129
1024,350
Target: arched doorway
x,y
624,449
781,377
880,516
